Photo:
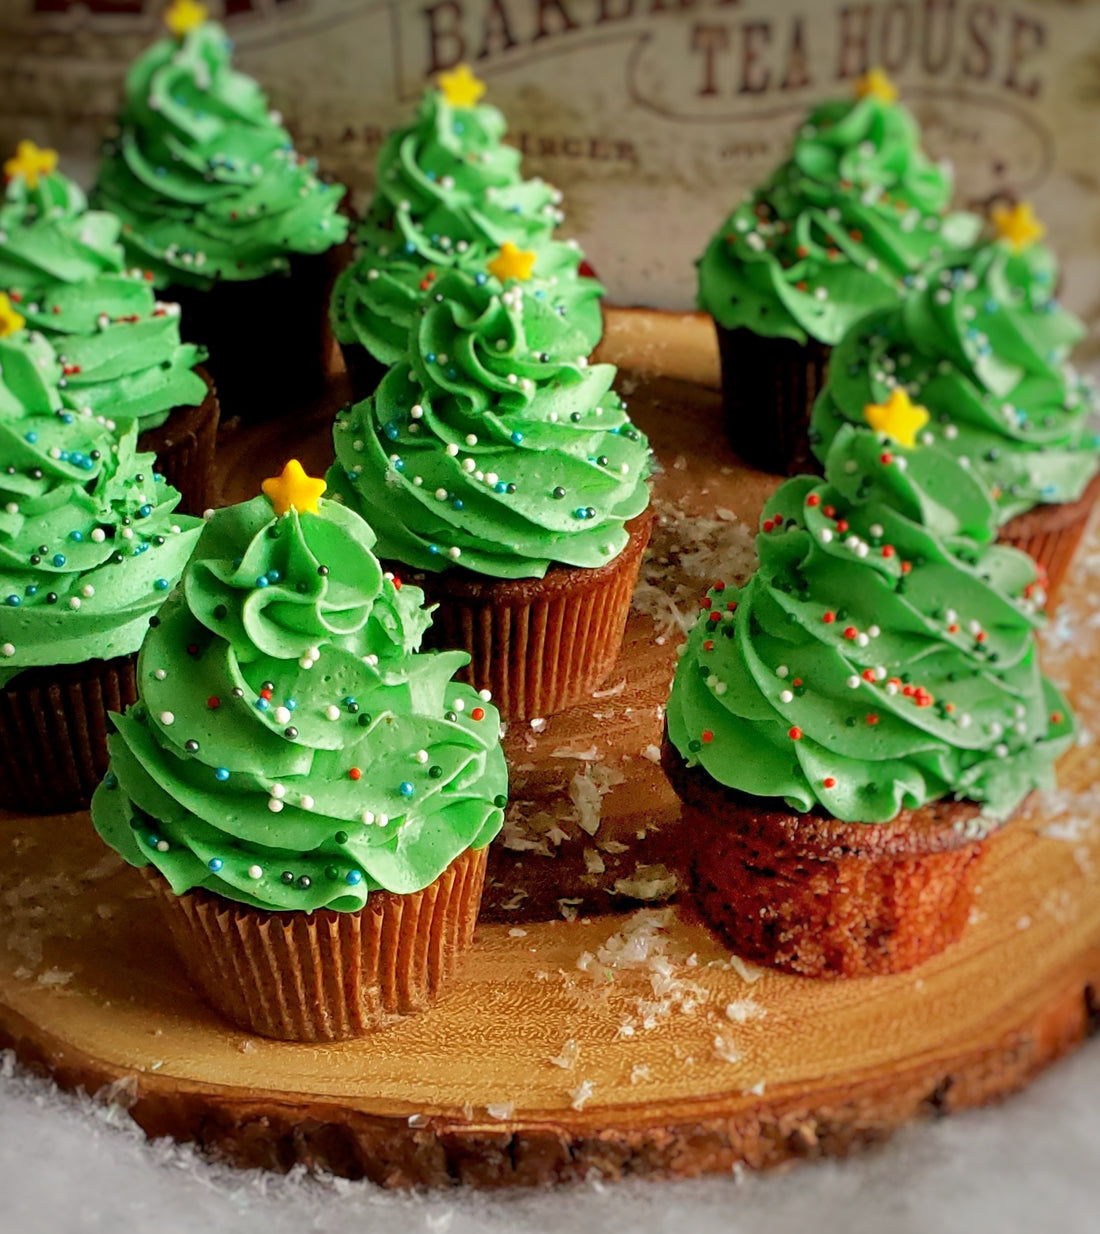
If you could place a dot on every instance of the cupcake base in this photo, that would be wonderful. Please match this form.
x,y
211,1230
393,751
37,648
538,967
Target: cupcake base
x,y
769,386
184,445
1050,535
539,646
812,895
53,732
326,976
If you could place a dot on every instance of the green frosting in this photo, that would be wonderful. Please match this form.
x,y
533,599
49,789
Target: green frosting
x,y
982,344
450,194
119,347
494,444
837,229
290,750
89,541
869,665
204,176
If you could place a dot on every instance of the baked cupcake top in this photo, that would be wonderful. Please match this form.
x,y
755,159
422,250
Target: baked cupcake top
x,y
63,266
449,193
290,749
89,539
982,343
869,666
493,444
203,175
838,228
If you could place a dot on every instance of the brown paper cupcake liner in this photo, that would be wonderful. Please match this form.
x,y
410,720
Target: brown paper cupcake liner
x,y
769,386
812,895
326,976
539,645
53,732
184,445
1050,535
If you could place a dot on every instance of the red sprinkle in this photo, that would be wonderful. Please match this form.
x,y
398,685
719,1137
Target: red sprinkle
x,y
719,586
888,550
886,458
869,674
705,602
213,702
850,632
872,718
707,736
354,774
842,525
478,713
828,782
396,583
732,606
266,694
1056,717
828,618
795,734
708,645
906,566
716,616
813,500
829,512
768,524
980,636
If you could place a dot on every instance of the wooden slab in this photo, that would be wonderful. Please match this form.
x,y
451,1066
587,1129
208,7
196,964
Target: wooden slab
x,y
682,1061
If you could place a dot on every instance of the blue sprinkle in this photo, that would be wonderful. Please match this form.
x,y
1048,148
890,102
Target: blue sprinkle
x,y
110,780
410,247
406,789
481,279
353,878
273,576
350,699
452,373
215,864
31,589
291,704
221,773
32,438
77,536
59,559
517,437
262,704
430,175
458,504
399,464
87,465
500,487
459,127
262,581
66,417
145,511
432,548
13,601
391,430
430,357
161,584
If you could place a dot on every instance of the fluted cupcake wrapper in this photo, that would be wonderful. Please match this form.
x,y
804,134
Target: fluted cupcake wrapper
x,y
327,975
53,732
184,445
539,645
769,386
1050,535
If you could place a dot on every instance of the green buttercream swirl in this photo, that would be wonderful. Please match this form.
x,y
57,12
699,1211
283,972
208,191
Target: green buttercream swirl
x,y
204,176
64,267
89,541
290,749
855,210
869,665
494,444
982,344
449,195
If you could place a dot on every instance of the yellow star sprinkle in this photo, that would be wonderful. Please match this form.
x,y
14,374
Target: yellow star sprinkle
x,y
899,417
183,16
10,320
294,489
512,263
1017,224
461,88
876,84
30,162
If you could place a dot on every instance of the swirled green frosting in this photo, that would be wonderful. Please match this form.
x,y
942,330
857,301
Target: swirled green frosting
x,y
290,750
836,231
494,444
869,665
89,540
982,344
119,347
204,176
449,195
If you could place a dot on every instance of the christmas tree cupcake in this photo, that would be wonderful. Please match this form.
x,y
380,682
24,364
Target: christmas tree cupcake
x,y
218,205
499,464
310,798
119,347
89,546
847,728
837,230
982,344
449,193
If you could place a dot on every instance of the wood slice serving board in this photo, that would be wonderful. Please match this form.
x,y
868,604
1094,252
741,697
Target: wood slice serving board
x,y
595,1029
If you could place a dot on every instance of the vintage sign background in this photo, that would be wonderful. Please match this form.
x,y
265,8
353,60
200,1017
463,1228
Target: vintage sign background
x,y
651,115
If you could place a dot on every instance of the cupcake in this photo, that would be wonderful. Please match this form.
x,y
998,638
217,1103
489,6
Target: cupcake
x,y
119,347
310,798
89,545
982,343
500,465
847,728
227,217
838,229
449,194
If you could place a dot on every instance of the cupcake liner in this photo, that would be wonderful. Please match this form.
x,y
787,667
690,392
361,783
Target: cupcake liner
x,y
812,895
769,386
539,645
326,976
184,445
1050,535
53,732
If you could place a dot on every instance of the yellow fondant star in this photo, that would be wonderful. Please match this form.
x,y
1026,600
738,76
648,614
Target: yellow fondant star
x,y
183,16
876,84
461,88
31,162
10,320
1017,224
294,488
899,417
512,263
